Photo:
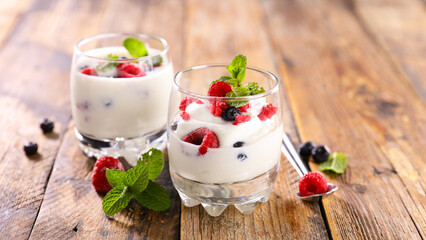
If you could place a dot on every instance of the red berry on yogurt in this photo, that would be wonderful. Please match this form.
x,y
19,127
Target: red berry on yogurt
x,y
130,71
89,71
203,137
219,89
267,112
185,116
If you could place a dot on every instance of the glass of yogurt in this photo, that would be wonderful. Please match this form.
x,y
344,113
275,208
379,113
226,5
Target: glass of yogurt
x,y
223,150
119,102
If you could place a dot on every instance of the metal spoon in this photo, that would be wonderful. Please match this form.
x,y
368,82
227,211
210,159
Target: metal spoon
x,y
293,157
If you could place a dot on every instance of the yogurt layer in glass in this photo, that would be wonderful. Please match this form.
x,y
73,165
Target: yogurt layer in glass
x,y
119,103
240,164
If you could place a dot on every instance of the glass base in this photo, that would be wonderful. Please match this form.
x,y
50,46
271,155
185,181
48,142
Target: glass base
x,y
130,149
215,198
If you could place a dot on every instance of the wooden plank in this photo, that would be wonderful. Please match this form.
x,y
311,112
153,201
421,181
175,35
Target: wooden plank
x,y
346,94
71,208
216,31
399,27
26,96
10,14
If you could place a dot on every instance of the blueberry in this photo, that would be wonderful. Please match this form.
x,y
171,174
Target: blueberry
x,y
305,149
238,144
46,125
122,57
174,126
83,67
30,148
242,156
107,102
320,153
230,113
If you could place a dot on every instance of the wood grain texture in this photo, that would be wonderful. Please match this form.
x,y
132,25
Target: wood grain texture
x,y
27,96
71,208
357,104
213,36
398,26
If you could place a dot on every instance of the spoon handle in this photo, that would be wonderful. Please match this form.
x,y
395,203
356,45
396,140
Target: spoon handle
x,y
291,154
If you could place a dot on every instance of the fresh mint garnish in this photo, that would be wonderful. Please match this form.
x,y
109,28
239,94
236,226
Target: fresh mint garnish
x,y
336,163
107,66
114,177
136,183
135,47
136,178
116,199
154,197
237,70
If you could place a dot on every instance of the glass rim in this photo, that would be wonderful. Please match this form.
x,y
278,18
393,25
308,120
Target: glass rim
x,y
266,73
83,41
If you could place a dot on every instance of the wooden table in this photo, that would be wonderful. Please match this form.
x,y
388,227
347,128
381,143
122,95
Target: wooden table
x,y
354,73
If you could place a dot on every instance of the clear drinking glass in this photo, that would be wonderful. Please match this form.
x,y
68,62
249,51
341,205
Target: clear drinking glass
x,y
241,171
119,103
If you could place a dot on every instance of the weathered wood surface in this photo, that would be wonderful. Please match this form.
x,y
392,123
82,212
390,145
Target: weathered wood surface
x,y
354,79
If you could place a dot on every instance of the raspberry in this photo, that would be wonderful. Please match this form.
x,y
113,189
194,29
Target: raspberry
x,y
99,179
219,89
267,112
129,71
312,183
244,108
203,137
241,119
89,71
185,116
188,100
217,108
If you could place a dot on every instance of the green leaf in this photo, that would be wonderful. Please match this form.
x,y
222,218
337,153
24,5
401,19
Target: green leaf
x,y
107,66
116,199
135,47
155,160
237,69
336,163
157,61
136,178
114,176
253,88
154,197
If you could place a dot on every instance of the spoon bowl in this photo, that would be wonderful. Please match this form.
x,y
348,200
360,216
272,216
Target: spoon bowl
x,y
293,157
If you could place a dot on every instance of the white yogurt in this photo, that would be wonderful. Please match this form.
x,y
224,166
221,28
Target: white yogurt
x,y
109,108
226,164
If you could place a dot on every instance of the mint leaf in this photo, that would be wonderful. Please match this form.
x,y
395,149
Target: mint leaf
x,y
116,199
253,88
154,197
136,178
135,47
336,163
114,176
107,66
155,160
237,69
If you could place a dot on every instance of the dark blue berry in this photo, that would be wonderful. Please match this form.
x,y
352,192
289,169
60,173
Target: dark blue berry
x,y
238,144
46,125
242,156
320,153
174,126
107,102
305,149
122,57
30,148
230,113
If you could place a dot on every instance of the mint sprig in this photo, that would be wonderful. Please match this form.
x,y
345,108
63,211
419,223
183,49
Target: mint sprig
x,y
237,70
137,183
336,163
107,66
135,47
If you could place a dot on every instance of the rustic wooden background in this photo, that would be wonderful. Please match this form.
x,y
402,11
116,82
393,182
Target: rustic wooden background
x,y
354,72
